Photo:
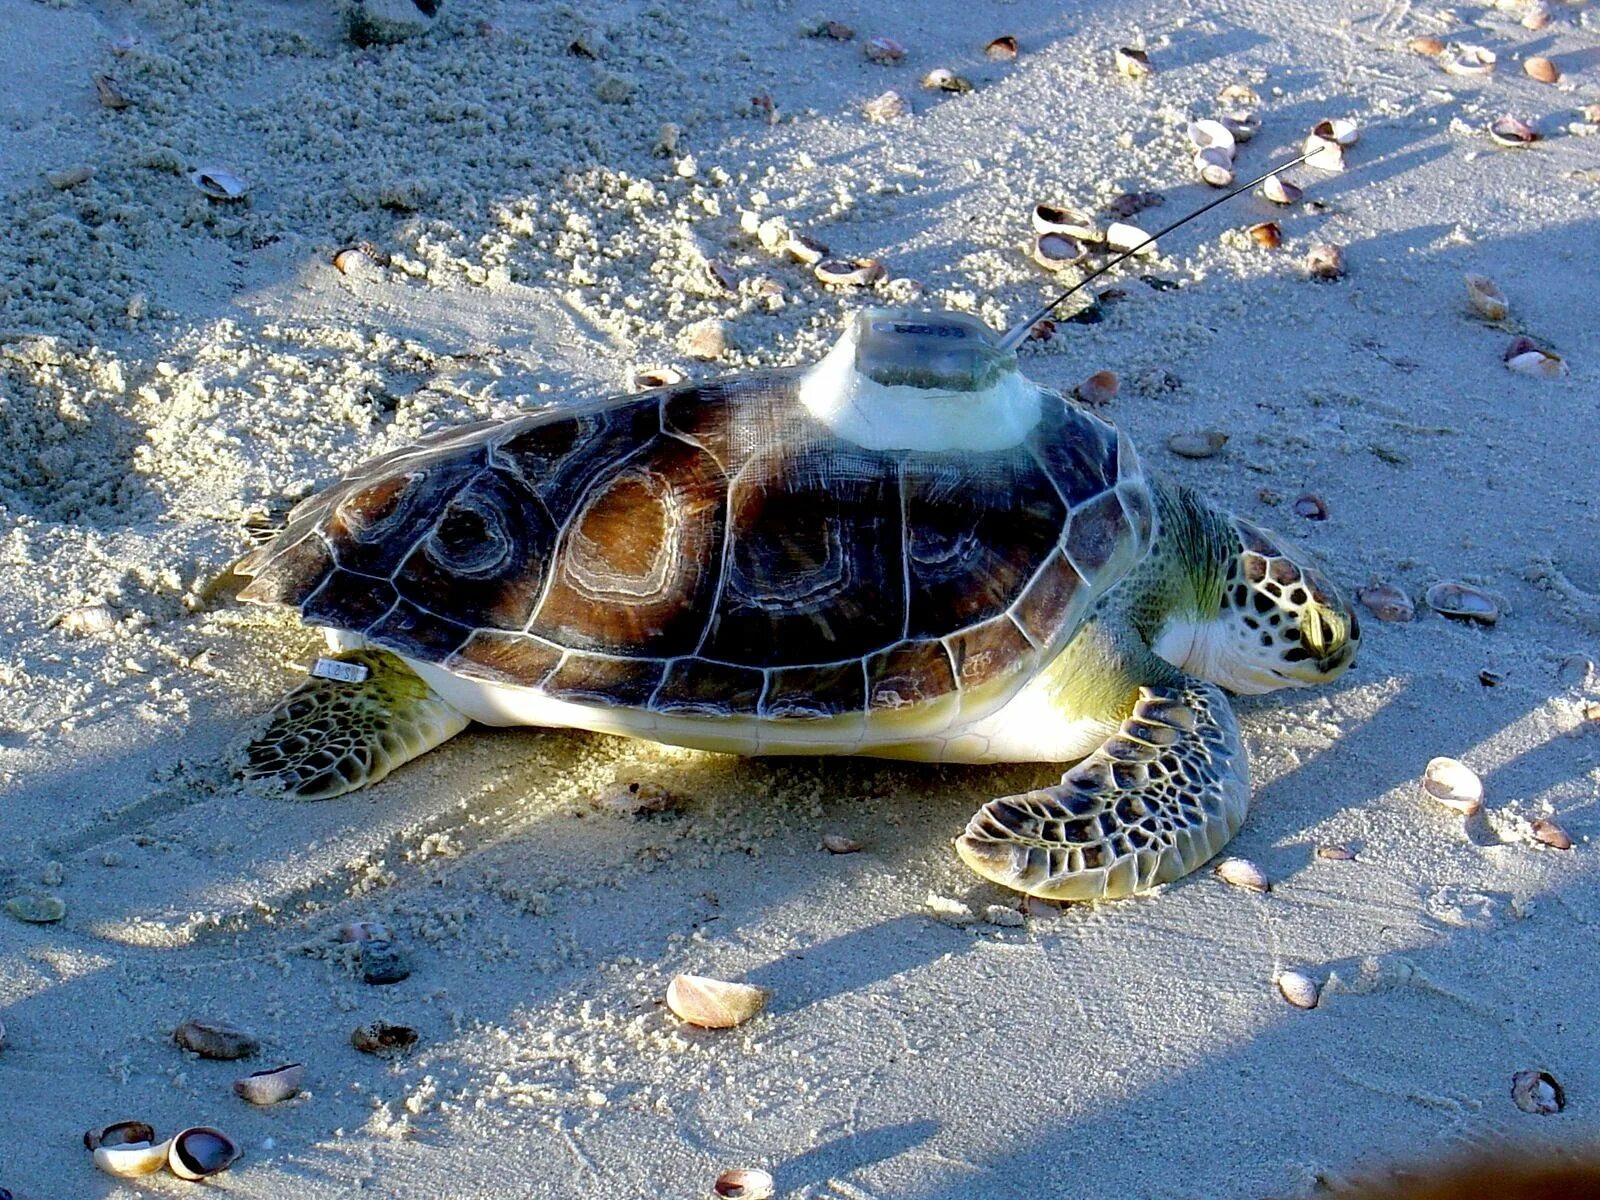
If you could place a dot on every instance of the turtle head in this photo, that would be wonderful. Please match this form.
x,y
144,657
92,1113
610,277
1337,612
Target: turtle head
x,y
1278,621
903,380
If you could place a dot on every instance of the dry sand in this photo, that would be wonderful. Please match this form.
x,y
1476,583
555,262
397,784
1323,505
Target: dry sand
x,y
171,367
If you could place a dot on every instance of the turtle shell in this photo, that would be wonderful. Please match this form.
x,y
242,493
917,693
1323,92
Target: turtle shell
x,y
713,550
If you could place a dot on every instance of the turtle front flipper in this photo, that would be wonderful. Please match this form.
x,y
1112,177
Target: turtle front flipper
x,y
328,737
1158,798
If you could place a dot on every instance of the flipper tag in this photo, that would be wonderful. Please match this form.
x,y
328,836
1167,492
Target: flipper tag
x,y
344,672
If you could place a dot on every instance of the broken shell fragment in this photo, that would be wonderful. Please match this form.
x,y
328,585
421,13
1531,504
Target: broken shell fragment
x,y
743,1183
201,1152
37,910
1120,235
383,1039
1298,989
1204,444
1452,783
269,1087
1387,602
1242,873
1071,222
1537,1092
383,962
1541,68
1334,853
213,1039
714,1003
1099,389
1002,49
1468,61
1132,63
1538,362
837,843
884,50
1338,130
805,249
1214,166
890,106
352,260
849,272
1211,135
219,183
1311,506
1280,191
1463,603
942,80
1537,15
1268,235
1057,251
1485,298
365,931
1551,834
1325,154
1512,132
127,1149
1428,45
86,619
1325,261
636,798
645,378
836,31
109,94
1241,94
1242,125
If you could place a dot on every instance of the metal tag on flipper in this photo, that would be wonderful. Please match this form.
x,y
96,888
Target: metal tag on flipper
x,y
344,672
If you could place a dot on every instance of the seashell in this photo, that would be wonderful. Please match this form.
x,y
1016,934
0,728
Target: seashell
x,y
119,1133
86,619
353,261
836,31
1043,330
269,1087
1122,236
364,931
635,798
1537,1092
642,379
705,340
1002,49
743,1183
1551,834
942,80
1469,60
884,50
1537,362
1279,190
1453,784
722,275
1537,16
200,1152
1057,251
1242,873
1325,261
849,272
1324,153
1387,602
1099,389
806,249
1205,444
1242,125
219,183
714,1003
837,843
890,106
1490,678
1073,223
383,1039
1240,94
1541,68
383,962
1509,131
1268,235
1336,853
1206,135
126,1156
1214,167
1463,602
1311,506
1427,44
213,1039
109,94
37,910
1132,63
1337,129
1299,990
1485,298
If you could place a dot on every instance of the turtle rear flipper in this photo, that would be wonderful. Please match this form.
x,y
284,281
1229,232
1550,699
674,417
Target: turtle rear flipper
x,y
1158,798
328,737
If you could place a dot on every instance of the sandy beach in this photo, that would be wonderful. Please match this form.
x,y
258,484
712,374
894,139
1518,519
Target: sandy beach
x,y
547,198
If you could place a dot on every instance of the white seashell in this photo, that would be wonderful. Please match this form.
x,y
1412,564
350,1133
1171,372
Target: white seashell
x,y
714,1003
1511,132
1132,62
743,1183
1337,129
1070,222
1120,235
1299,990
1468,60
1325,261
1241,94
213,1039
87,619
805,249
1463,602
201,1152
1539,363
1336,853
1537,1092
837,843
1324,154
846,272
1242,125
1485,298
1280,191
269,1087
1242,873
1215,166
1211,135
1387,602
890,106
1057,251
1453,784
129,1160
219,183
1205,444
940,79
642,379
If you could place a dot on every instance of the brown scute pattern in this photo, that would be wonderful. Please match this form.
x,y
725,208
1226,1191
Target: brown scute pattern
x,y
557,453
696,687
408,629
617,682
348,601
1098,530
814,567
1077,449
638,563
512,658
483,560
372,524
976,532
1047,604
810,692
989,652
909,674
288,572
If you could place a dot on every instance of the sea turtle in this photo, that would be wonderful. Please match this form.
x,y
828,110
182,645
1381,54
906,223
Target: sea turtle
x,y
908,550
